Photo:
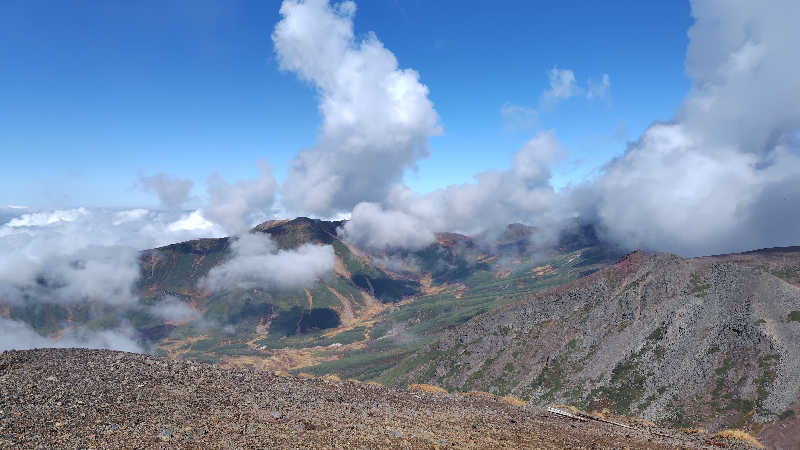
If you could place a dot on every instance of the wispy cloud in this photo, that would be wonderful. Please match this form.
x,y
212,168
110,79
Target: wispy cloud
x,y
598,90
238,206
518,117
562,86
172,192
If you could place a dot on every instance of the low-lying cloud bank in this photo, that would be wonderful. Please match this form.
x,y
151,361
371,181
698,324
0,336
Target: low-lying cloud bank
x,y
80,257
257,262
77,255
173,310
19,336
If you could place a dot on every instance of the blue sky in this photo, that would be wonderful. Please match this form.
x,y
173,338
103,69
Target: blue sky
x,y
92,94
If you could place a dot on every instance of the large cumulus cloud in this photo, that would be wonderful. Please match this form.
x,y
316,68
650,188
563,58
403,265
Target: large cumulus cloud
x,y
723,175
497,198
376,117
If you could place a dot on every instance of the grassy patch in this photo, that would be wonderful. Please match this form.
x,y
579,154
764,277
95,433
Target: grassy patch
x,y
739,435
429,388
722,374
332,378
553,376
514,401
698,285
657,334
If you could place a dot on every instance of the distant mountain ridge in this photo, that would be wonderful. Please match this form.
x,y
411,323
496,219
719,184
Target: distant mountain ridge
x,y
362,285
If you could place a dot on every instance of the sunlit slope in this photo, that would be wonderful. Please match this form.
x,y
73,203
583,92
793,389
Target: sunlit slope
x,y
506,273
708,341
246,322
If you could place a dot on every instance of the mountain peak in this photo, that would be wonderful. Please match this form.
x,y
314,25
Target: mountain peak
x,y
291,233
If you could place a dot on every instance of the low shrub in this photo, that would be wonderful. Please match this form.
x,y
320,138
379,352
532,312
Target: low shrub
x,y
644,422
694,430
739,435
511,400
332,378
483,394
427,388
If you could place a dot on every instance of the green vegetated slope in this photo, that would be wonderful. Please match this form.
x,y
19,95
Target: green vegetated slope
x,y
245,322
233,322
444,285
706,341
467,281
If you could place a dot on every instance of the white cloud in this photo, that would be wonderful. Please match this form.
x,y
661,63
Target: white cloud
x,y
598,90
239,206
377,117
130,215
518,117
396,263
70,256
562,86
257,263
194,221
172,192
532,162
41,219
173,310
724,175
371,226
497,198
19,336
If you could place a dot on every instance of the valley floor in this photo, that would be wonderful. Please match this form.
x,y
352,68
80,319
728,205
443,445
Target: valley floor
x,y
68,398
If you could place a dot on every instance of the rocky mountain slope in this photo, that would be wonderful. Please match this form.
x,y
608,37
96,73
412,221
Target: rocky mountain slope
x,y
71,398
711,342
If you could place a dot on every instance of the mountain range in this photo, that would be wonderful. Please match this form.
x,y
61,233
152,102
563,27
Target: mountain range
x,y
703,342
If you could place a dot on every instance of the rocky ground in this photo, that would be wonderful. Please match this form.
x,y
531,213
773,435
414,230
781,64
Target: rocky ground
x,y
74,398
688,343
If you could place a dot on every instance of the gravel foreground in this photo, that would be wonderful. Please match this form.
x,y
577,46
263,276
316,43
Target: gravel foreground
x,y
77,398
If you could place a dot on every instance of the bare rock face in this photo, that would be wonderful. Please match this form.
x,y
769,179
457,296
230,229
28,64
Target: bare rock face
x,y
74,398
711,342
